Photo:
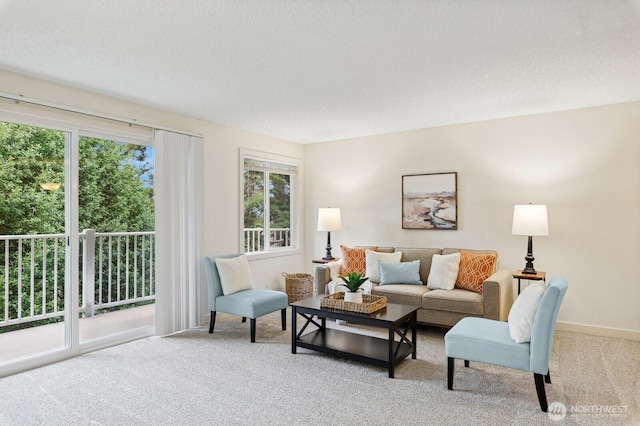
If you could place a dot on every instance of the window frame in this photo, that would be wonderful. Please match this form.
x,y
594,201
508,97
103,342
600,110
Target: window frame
x,y
295,203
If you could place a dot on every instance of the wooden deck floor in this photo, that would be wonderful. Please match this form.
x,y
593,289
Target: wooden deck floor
x,y
17,345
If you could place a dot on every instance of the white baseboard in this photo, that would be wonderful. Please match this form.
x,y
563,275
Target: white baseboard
x,y
618,333
592,330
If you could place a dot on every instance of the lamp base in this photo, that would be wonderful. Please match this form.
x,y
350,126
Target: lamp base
x,y
327,255
528,268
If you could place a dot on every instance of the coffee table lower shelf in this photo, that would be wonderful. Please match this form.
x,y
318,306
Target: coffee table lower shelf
x,y
369,349
399,321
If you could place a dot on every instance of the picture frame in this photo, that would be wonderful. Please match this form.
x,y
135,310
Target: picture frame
x,y
430,201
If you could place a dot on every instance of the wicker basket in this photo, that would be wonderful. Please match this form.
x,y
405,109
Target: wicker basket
x,y
370,303
298,286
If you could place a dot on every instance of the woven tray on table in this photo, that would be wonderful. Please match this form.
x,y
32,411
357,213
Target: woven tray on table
x,y
298,286
370,303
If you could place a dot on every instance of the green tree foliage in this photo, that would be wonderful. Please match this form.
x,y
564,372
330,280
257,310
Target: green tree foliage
x,y
28,157
279,189
113,196
253,199
115,183
280,200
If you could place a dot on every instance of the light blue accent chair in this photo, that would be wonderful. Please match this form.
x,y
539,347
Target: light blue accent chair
x,y
489,342
252,303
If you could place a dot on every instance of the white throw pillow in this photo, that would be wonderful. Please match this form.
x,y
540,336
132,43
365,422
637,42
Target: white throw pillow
x,y
374,257
523,312
235,274
444,271
335,268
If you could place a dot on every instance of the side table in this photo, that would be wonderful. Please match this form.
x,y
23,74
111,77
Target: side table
x,y
538,276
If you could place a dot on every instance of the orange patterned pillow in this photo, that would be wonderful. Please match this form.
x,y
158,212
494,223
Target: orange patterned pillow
x,y
474,269
354,259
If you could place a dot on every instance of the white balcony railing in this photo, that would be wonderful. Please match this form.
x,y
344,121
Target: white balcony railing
x,y
117,269
254,238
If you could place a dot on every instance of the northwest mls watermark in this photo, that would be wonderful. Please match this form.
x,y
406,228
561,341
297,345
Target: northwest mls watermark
x,y
558,411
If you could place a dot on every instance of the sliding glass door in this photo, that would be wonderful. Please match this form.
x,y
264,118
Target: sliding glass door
x,y
77,241
116,224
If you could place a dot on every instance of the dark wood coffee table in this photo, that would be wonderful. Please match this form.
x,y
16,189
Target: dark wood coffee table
x,y
397,319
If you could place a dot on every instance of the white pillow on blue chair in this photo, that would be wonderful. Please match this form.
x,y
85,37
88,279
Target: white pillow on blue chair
x,y
235,274
523,312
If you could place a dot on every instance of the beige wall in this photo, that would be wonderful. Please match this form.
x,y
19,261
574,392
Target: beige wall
x,y
221,162
584,164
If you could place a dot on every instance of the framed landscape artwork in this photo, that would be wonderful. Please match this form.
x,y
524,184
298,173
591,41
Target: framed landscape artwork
x,y
430,201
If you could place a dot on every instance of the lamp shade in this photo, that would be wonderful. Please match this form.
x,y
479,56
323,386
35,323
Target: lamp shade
x,y
329,219
530,220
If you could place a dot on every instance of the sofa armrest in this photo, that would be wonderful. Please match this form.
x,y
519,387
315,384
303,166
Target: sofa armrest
x,y
497,295
322,278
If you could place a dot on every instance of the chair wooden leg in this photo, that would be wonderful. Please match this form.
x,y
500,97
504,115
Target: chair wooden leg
x,y
542,396
253,330
283,314
466,363
450,367
547,378
212,322
244,319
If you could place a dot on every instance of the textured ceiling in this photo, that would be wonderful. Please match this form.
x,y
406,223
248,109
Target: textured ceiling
x,y
317,70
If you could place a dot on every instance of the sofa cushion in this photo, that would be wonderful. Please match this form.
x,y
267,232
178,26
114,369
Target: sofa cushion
x,y
354,259
444,271
400,273
386,249
374,257
406,294
424,255
474,269
456,300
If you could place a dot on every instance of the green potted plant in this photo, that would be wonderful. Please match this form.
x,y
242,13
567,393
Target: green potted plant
x,y
353,281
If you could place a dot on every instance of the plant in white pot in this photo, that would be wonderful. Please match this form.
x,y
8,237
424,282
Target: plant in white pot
x,y
353,281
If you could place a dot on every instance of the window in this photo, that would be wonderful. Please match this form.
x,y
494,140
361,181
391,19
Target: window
x,y
269,185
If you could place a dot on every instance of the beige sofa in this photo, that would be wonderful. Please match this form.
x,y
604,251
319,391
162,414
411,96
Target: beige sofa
x,y
442,308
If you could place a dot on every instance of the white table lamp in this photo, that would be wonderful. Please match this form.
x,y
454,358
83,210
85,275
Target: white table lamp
x,y
329,220
530,220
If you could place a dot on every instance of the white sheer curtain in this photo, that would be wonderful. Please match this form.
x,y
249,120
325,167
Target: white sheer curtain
x,y
180,300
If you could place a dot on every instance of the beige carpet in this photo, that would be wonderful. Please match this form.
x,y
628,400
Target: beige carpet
x,y
194,378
